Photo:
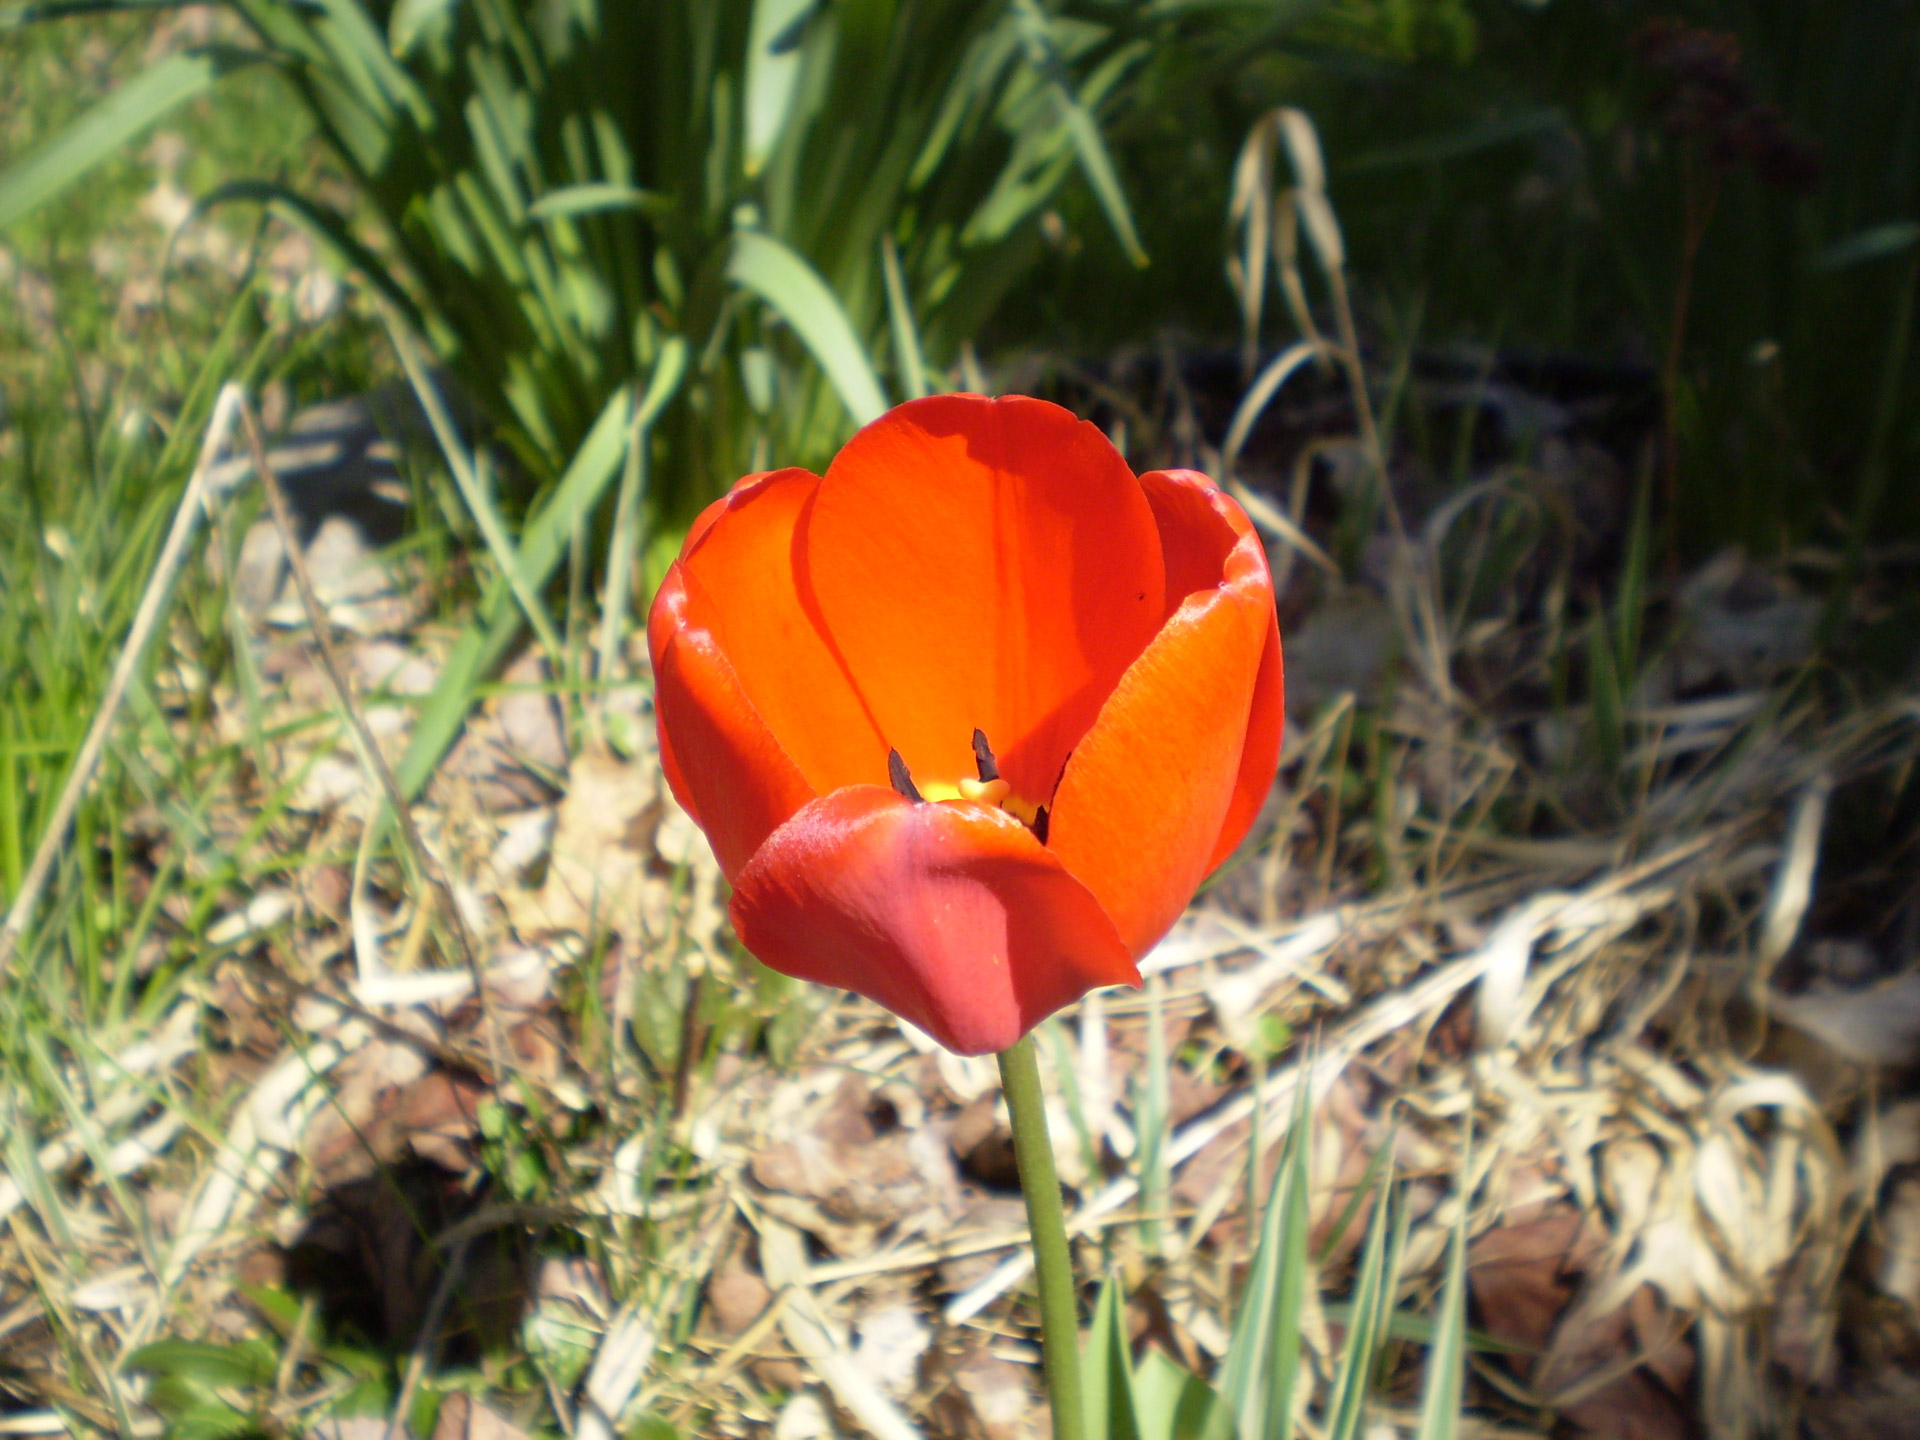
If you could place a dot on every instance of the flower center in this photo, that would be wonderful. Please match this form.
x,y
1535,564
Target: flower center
x,y
987,789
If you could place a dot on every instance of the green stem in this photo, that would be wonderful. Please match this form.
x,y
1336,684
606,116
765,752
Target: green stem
x,y
1047,1223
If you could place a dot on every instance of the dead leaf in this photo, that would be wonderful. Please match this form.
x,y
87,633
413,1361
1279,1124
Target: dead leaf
x,y
1883,1406
1523,1277
1898,1273
1588,1363
1875,1025
358,1427
375,1122
988,1398
602,841
464,1418
983,1215
888,1343
736,1299
859,1170
804,1417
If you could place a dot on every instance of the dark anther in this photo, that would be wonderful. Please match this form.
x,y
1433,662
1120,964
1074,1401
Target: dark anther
x,y
983,757
902,779
1040,824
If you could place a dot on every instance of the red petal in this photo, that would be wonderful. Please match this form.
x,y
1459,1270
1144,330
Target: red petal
x,y
985,563
1260,758
741,589
722,761
1150,790
1189,508
951,916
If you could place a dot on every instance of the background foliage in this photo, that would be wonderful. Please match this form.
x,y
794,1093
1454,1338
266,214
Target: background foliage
x,y
642,248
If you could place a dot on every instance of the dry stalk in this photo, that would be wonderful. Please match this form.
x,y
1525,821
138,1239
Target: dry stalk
x,y
428,1342
364,743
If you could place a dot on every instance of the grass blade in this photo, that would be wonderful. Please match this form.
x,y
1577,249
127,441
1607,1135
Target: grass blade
x,y
597,197
1106,1370
782,277
907,362
1373,1296
1089,147
322,226
543,539
1263,1357
773,75
98,134
1445,1380
467,474
1152,1106
668,370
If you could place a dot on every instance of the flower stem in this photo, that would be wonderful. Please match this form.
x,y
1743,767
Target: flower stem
x,y
1047,1224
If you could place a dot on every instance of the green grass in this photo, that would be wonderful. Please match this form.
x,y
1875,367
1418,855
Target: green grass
x,y
105,397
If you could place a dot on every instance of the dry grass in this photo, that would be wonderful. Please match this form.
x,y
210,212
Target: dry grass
x,y
497,1128
633,1174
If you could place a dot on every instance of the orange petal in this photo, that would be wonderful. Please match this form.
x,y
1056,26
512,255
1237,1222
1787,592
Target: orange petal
x,y
1189,509
1260,757
1150,789
739,567
952,916
722,761
986,563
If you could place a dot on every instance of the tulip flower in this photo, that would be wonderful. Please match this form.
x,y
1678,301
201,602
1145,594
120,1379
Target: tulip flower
x,y
968,719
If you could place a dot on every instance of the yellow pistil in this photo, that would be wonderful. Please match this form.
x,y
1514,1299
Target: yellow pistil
x,y
989,789
990,792
995,792
1025,811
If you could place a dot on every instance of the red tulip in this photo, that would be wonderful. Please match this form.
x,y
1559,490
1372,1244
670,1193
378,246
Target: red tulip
x,y
969,719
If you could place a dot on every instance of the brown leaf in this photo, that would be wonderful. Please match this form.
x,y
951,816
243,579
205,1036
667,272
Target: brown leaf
x,y
861,1170
464,1418
602,842
1524,1275
983,1143
1639,1404
737,1298
988,1398
504,753
984,1215
1883,1406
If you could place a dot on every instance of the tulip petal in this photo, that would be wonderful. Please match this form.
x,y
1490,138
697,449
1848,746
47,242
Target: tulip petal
x,y
723,763
739,568
984,563
1260,757
1189,509
1150,790
950,915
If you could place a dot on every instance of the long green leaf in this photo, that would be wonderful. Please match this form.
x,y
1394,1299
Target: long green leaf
x,y
907,361
1445,1380
1089,146
1170,1402
485,641
324,227
1373,1296
773,72
668,370
1263,1358
1873,243
1106,1370
597,198
780,276
410,22
470,473
101,131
